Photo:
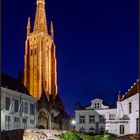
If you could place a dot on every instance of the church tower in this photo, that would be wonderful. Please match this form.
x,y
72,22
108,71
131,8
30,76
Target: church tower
x,y
40,69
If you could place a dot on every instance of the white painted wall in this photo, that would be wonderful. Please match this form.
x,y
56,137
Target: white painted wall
x,y
113,126
16,95
123,109
103,111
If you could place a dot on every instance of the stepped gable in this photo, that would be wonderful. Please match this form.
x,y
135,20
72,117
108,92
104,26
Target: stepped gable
x,y
134,90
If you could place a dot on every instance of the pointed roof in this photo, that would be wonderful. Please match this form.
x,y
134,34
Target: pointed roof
x,y
40,23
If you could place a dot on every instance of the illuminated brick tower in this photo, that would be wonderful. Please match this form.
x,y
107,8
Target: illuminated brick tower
x,y
40,73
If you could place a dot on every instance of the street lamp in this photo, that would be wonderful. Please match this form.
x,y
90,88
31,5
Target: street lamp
x,y
73,122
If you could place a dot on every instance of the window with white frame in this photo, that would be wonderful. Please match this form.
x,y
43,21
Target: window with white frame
x,y
82,129
91,130
96,105
31,121
24,123
24,107
102,129
16,122
7,122
16,105
137,125
130,107
82,119
112,116
91,119
101,119
7,103
32,109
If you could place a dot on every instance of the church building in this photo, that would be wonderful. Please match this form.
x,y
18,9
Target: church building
x,y
40,70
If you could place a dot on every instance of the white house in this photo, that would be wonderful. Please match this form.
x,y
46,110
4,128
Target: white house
x,y
122,120
18,108
128,110
93,118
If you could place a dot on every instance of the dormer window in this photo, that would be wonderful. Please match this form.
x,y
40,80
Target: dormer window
x,y
97,105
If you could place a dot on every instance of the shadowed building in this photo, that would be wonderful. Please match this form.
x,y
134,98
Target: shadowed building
x,y
18,108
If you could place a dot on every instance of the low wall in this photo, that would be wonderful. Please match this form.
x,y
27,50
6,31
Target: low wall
x,y
12,135
31,134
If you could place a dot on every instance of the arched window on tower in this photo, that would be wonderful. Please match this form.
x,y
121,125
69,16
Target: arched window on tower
x,y
35,51
31,52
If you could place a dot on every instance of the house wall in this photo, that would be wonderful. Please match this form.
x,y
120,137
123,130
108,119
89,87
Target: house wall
x,y
31,119
86,125
123,109
113,126
121,116
91,111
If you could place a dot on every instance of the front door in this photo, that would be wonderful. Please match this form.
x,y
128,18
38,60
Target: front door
x,y
97,127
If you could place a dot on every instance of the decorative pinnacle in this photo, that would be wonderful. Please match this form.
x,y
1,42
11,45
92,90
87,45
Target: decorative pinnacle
x,y
28,26
52,30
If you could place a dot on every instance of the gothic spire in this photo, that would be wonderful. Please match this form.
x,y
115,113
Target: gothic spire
x,y
28,26
52,30
40,23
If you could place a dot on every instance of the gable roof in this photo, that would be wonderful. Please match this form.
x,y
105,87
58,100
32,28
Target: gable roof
x,y
134,90
13,84
112,106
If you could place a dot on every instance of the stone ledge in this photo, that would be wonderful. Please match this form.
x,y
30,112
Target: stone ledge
x,y
31,134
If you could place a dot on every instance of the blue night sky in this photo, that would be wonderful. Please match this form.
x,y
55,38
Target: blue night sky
x,y
96,45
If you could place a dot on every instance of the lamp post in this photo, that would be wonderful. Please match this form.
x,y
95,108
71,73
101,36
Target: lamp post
x,y
73,123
